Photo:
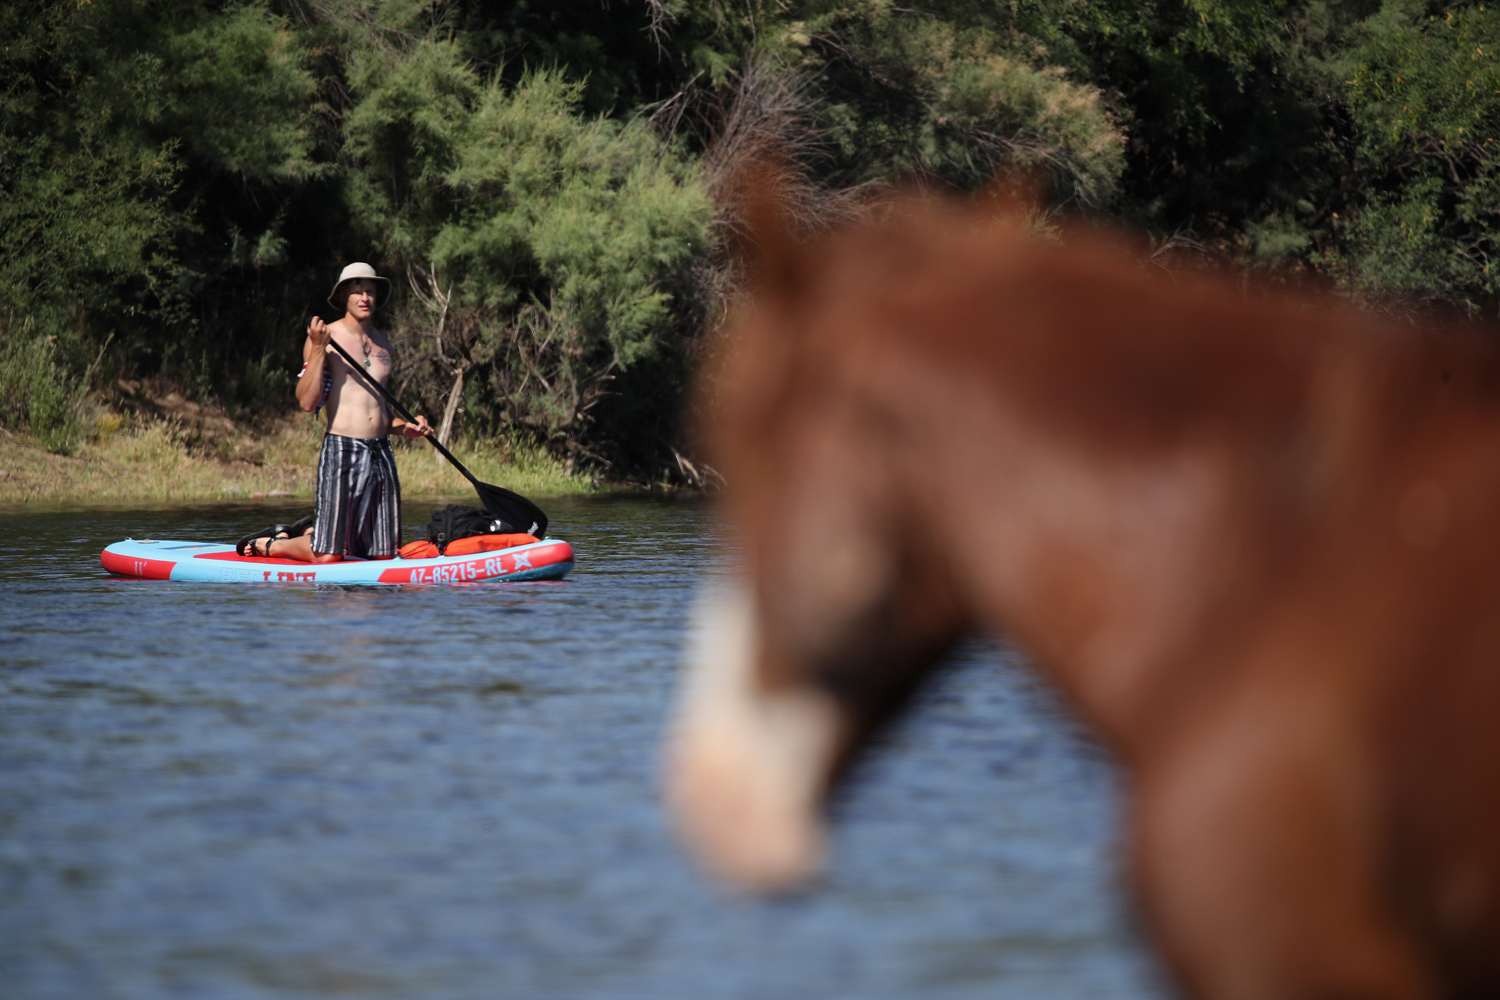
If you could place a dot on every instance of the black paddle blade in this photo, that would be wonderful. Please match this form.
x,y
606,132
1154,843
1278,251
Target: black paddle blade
x,y
515,510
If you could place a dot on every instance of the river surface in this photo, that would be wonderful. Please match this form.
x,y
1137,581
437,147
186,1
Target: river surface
x,y
258,791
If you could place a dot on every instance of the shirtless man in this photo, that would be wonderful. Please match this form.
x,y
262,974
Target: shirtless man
x,y
359,495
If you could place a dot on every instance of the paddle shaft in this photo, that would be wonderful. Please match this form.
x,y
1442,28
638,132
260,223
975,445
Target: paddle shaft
x,y
391,398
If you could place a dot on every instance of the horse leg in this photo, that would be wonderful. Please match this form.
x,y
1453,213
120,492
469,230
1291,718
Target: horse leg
x,y
1259,856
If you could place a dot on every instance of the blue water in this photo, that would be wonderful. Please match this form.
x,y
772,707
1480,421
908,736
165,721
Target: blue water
x,y
240,791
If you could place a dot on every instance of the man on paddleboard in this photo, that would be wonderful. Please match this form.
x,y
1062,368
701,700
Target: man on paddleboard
x,y
359,495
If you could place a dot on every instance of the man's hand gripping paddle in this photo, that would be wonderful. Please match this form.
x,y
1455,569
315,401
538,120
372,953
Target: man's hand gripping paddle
x,y
520,514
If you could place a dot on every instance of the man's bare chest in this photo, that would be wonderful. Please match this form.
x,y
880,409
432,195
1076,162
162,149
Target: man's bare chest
x,y
369,353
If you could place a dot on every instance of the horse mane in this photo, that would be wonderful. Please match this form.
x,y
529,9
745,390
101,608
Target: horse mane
x,y
1078,326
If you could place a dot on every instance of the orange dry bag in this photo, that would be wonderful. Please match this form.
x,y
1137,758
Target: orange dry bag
x,y
418,550
486,543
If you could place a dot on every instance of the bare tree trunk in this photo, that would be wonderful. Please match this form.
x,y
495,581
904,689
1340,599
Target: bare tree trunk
x,y
446,428
433,298
430,293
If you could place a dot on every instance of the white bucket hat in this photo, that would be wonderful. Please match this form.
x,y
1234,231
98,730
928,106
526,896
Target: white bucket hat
x,y
359,269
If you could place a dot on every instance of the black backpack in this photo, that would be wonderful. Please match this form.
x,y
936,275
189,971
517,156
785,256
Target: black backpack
x,y
457,521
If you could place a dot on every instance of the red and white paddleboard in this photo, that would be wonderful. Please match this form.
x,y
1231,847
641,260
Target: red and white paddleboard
x,y
214,562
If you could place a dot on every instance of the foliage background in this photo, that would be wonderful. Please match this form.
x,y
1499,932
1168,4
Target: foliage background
x,y
552,186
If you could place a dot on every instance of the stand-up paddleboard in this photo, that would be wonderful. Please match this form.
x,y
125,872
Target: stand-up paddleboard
x,y
213,562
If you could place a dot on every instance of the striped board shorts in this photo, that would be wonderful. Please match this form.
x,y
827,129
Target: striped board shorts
x,y
359,498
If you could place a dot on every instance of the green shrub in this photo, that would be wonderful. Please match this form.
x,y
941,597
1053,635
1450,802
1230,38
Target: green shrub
x,y
907,94
147,150
36,393
1423,93
549,243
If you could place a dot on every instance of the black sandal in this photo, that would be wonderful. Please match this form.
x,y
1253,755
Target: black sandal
x,y
299,527
270,534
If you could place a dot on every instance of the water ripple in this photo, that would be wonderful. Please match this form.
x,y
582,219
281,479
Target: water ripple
x,y
239,791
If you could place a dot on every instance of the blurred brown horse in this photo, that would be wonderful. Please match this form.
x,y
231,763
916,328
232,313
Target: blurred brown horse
x,y
1256,541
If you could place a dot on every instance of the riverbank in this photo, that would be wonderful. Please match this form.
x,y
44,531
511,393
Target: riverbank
x,y
126,461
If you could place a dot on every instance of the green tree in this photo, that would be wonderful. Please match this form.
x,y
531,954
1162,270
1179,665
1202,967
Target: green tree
x,y
903,94
120,123
1420,218
554,241
179,181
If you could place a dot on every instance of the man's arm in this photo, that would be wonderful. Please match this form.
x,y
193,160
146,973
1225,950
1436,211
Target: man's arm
x,y
315,354
406,428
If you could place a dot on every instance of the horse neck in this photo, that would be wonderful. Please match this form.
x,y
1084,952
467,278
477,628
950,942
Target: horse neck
x,y
1106,562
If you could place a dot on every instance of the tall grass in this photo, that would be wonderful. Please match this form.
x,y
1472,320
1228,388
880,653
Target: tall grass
x,y
159,460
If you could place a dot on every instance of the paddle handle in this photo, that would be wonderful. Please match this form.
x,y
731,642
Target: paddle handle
x,y
396,403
